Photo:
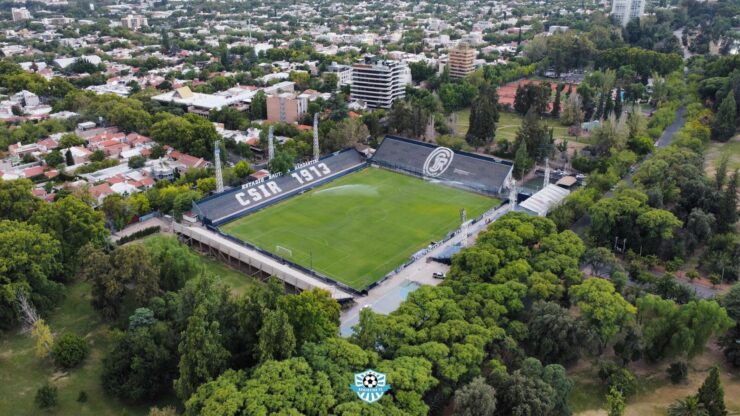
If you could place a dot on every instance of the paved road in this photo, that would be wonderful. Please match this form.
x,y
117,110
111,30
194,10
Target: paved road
x,y
387,297
581,225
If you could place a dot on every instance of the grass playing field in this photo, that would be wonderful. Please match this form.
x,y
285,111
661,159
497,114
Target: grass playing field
x,y
359,227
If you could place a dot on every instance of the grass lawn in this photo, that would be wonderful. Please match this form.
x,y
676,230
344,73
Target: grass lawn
x,y
23,373
716,151
361,226
508,125
236,280
655,391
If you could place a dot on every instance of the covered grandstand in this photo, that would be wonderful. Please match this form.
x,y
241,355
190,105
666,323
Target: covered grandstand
x,y
465,170
544,200
234,203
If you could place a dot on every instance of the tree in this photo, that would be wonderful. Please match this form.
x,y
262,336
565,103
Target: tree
x,y
136,162
46,396
313,314
289,387
74,224
534,133
142,363
258,106
282,162
276,338
346,133
116,210
68,158
16,200
602,307
727,209
556,104
44,340
556,336
202,356
522,162
176,262
532,96
30,259
475,399
54,158
711,394
69,351
483,118
670,330
615,402
724,124
690,406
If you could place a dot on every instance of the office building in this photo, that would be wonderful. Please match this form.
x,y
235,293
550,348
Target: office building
x,y
626,10
379,83
461,61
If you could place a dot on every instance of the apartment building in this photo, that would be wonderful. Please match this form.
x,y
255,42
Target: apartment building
x,y
626,10
379,83
20,13
286,107
344,73
134,22
461,60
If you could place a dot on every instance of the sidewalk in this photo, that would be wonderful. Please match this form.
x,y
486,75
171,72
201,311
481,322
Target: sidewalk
x,y
164,227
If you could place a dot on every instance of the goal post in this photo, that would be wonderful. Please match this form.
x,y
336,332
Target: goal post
x,y
283,251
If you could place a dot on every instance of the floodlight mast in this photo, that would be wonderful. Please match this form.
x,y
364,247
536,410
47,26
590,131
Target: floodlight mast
x,y
316,152
219,172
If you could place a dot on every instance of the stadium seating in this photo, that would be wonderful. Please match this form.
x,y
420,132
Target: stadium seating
x,y
466,170
236,202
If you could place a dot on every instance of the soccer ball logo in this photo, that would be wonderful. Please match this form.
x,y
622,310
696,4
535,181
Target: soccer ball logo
x,y
370,381
437,162
370,385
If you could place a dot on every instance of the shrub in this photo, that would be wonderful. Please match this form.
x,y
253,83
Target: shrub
x,y
137,235
692,275
69,351
620,378
46,396
82,397
678,372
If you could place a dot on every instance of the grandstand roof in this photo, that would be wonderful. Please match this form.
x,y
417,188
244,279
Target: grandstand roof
x,y
472,171
541,202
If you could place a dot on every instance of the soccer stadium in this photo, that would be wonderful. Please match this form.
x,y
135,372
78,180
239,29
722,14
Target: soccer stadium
x,y
353,220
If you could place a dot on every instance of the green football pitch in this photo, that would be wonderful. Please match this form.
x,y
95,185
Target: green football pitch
x,y
359,227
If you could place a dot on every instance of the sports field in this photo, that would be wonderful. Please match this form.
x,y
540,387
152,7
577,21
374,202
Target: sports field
x,y
359,227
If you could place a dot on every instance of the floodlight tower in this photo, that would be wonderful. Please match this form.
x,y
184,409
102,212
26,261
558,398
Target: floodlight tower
x,y
547,173
270,145
316,152
512,196
217,161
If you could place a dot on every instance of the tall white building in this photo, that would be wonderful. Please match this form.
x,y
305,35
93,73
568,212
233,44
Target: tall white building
x,y
379,83
626,10
20,13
